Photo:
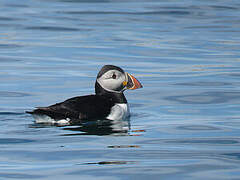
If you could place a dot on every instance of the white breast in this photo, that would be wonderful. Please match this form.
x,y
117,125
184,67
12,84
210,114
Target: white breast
x,y
119,112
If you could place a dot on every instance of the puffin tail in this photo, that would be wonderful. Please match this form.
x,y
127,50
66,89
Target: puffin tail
x,y
29,112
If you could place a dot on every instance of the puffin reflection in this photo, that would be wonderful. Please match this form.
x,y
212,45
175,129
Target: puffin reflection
x,y
100,128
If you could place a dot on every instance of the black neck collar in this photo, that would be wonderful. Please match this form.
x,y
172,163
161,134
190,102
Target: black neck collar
x,y
116,97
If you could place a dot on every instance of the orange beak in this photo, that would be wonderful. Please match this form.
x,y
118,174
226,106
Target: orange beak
x,y
132,82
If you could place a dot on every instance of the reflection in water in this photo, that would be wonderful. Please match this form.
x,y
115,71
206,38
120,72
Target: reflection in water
x,y
90,127
124,146
101,127
112,162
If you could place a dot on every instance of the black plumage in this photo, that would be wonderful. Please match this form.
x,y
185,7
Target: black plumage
x,y
78,108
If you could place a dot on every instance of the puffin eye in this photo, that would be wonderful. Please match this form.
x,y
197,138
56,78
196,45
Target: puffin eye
x,y
114,76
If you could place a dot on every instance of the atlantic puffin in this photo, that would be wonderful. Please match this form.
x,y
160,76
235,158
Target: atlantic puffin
x,y
108,102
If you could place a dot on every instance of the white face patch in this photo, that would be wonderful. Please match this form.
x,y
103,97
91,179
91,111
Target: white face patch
x,y
112,81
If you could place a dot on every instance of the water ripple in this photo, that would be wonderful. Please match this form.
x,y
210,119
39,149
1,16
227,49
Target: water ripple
x,y
7,46
13,94
20,176
10,113
52,28
197,128
206,98
9,19
14,141
126,13
205,141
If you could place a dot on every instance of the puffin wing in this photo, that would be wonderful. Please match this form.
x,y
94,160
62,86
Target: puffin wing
x,y
81,107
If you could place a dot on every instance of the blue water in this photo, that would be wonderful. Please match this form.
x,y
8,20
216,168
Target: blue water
x,y
185,122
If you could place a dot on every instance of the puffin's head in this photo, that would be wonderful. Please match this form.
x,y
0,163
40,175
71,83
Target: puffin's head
x,y
114,79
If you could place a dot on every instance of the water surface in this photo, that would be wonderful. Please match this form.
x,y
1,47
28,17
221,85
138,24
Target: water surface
x,y
185,122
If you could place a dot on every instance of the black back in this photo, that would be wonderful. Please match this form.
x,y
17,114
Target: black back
x,y
77,108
